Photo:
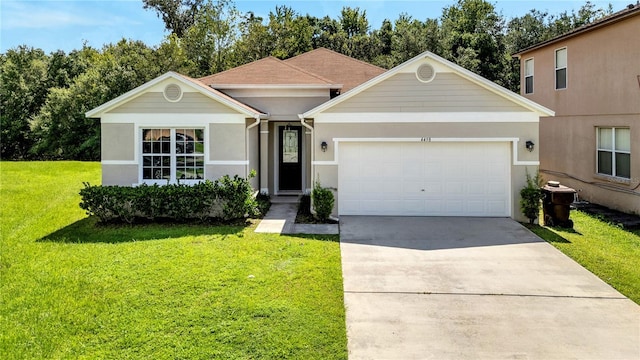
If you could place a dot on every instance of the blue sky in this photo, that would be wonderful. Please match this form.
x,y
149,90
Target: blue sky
x,y
67,24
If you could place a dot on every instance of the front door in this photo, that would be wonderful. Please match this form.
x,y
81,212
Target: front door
x,y
290,158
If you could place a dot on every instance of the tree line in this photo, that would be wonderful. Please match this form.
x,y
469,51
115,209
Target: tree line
x,y
43,97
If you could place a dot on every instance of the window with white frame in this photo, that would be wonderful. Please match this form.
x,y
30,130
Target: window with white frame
x,y
561,68
172,155
614,152
528,76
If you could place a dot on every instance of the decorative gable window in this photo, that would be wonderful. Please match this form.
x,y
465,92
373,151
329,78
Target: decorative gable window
x,y
528,76
614,152
561,68
172,155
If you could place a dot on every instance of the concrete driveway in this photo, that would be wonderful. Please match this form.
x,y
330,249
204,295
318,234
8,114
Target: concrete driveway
x,y
474,288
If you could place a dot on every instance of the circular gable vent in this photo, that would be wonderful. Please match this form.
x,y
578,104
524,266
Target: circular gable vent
x,y
425,73
173,93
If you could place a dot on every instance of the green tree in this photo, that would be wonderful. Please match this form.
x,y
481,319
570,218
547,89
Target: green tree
x,y
23,90
178,15
208,42
290,34
60,130
254,40
171,55
413,37
472,37
358,42
327,33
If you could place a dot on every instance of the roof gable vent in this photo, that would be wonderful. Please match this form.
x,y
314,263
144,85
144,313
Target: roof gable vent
x,y
425,73
172,93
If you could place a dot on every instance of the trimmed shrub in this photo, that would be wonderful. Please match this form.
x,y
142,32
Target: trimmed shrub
x,y
322,201
225,199
530,197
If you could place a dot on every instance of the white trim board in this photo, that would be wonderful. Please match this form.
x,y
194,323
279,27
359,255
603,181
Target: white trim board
x,y
172,120
429,117
228,162
514,141
119,162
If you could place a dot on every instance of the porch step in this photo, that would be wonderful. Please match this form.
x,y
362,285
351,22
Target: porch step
x,y
285,199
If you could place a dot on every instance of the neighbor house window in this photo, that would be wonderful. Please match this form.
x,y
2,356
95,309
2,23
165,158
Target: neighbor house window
x,y
172,155
614,151
528,76
561,68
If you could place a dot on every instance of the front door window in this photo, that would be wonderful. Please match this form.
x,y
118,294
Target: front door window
x,y
290,146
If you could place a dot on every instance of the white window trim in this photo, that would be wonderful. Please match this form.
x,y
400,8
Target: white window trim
x,y
173,154
531,76
613,152
566,67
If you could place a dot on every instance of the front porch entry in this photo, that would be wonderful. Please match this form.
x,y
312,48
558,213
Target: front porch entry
x,y
289,167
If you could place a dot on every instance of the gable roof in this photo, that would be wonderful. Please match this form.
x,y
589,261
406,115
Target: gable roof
x,y
337,67
267,72
464,73
202,88
630,11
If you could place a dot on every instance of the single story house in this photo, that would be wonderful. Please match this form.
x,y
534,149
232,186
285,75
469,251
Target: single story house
x,y
426,138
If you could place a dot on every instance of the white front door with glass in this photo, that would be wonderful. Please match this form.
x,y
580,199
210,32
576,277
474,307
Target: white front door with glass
x,y
172,155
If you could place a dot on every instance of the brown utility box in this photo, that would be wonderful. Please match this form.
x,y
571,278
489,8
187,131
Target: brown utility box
x,y
556,204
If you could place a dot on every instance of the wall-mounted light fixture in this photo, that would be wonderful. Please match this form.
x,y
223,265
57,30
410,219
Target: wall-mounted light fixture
x,y
529,145
323,146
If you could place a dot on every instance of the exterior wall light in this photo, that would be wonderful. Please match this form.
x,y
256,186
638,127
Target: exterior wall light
x,y
323,146
529,145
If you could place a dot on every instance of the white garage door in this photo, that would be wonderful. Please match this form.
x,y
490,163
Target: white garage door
x,y
424,178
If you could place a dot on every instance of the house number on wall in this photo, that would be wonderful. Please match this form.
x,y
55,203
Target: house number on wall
x,y
425,139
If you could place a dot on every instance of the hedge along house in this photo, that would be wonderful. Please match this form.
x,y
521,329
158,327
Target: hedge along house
x,y
425,138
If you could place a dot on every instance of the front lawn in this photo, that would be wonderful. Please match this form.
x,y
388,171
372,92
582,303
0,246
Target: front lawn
x,y
612,253
71,289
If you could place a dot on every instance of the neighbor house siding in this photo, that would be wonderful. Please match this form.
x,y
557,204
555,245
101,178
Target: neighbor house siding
x,y
603,91
191,102
447,92
575,137
603,69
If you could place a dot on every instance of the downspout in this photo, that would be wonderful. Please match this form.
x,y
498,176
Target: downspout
x,y
246,170
313,148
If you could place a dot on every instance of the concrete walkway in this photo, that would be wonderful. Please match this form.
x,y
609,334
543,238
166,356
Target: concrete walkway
x,y
470,288
281,219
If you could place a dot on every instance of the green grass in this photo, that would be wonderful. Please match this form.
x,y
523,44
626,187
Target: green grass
x,y
73,289
611,253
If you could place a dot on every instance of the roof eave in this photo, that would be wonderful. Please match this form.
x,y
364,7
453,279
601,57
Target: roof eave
x,y
276,86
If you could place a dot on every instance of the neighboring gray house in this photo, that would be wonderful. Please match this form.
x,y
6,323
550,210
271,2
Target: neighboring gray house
x,y
425,138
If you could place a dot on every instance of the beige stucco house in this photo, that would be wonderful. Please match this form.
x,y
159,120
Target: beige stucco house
x,y
590,77
425,138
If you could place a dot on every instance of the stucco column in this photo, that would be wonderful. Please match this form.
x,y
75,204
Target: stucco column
x,y
264,157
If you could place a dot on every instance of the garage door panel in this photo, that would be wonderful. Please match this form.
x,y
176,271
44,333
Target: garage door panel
x,y
449,179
